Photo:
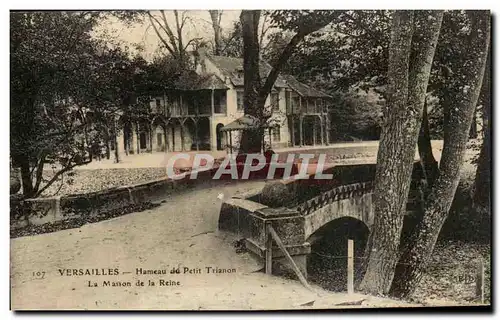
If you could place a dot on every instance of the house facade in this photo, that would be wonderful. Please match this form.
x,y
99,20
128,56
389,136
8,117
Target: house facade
x,y
188,120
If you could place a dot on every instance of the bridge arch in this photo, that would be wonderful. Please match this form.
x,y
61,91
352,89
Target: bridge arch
x,y
327,262
358,207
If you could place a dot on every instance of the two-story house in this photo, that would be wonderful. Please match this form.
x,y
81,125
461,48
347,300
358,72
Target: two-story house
x,y
185,120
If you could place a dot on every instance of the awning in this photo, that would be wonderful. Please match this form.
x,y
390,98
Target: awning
x,y
246,122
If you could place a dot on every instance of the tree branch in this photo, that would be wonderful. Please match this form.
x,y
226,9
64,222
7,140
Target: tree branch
x,y
167,46
167,29
264,30
191,41
62,171
179,34
285,55
273,75
39,170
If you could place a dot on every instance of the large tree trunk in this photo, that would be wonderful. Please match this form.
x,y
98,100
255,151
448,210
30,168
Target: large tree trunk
x,y
251,140
392,175
20,153
405,103
482,192
458,119
115,141
429,163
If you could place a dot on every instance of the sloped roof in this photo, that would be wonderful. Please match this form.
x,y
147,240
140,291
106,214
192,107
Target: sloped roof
x,y
303,89
212,82
193,81
244,123
233,68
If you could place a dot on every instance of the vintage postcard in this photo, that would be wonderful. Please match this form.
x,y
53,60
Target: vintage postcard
x,y
250,159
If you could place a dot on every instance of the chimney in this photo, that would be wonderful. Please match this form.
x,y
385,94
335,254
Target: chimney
x,y
200,58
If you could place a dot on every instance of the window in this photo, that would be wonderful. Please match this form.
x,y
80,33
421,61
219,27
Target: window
x,y
156,107
296,104
276,134
220,101
275,101
288,102
239,100
319,105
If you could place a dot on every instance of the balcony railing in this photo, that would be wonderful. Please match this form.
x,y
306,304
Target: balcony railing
x,y
185,111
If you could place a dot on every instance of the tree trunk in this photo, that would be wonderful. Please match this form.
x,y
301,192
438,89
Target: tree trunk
x,y
138,138
215,16
115,142
482,192
429,163
457,124
251,140
392,178
179,26
26,176
473,126
405,103
108,149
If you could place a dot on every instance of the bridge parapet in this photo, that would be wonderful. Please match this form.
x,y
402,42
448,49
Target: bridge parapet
x,y
247,218
335,194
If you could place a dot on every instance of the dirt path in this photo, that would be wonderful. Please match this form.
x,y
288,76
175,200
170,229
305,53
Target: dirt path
x,y
179,233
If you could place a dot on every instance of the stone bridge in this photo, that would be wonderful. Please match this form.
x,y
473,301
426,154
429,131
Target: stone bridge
x,y
297,224
353,200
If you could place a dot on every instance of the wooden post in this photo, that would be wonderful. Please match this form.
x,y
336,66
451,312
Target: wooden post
x,y
165,113
173,135
289,258
350,266
181,122
138,134
151,139
301,119
197,135
263,140
327,130
181,107
270,138
322,130
165,135
314,132
212,102
269,250
480,281
230,143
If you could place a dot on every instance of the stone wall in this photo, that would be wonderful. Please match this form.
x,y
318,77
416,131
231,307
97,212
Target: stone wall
x,y
39,211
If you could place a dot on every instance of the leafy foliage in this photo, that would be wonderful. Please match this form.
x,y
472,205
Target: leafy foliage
x,y
50,70
232,43
68,90
355,117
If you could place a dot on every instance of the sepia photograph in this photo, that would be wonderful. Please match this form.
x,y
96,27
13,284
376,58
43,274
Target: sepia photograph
x,y
250,160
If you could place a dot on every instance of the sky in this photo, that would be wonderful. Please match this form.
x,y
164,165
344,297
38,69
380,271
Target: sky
x,y
199,25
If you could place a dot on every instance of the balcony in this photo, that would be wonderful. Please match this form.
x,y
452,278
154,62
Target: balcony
x,y
304,105
191,104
